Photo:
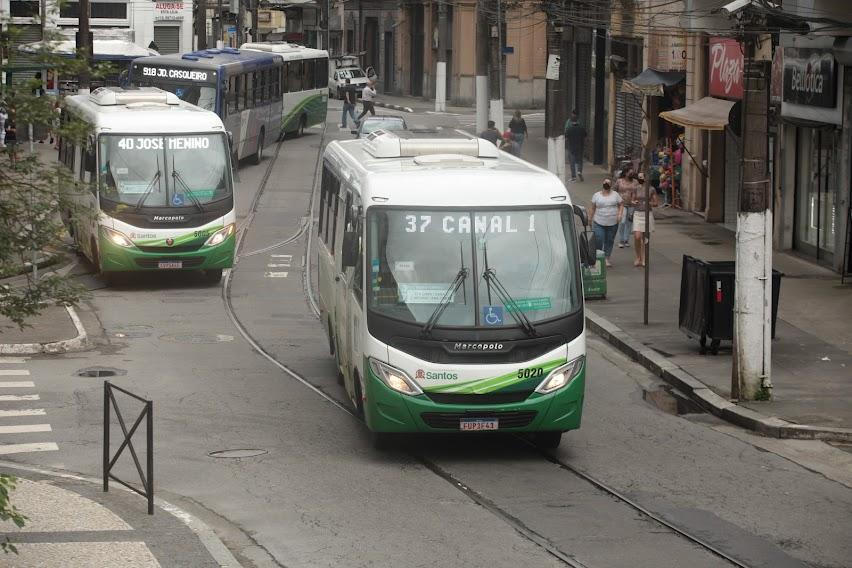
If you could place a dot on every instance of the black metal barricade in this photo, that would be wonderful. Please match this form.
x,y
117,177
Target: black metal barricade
x,y
147,477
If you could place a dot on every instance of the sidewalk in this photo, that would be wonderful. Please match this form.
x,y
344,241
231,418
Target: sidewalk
x,y
812,351
73,523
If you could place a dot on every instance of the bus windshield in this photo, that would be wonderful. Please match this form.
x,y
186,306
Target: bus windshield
x,y
203,96
183,170
416,258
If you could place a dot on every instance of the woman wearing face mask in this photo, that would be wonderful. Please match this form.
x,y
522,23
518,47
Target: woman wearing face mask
x,y
605,212
626,186
639,220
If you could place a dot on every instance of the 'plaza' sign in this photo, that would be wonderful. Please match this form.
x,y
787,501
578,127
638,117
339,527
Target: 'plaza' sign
x,y
810,78
726,68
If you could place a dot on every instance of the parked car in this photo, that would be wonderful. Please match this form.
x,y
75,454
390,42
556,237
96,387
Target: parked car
x,y
389,122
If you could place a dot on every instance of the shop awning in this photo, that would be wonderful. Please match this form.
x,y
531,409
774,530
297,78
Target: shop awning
x,y
708,113
651,82
102,49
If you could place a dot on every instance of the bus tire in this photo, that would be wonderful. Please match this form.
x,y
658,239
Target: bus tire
x,y
212,276
548,440
258,154
359,397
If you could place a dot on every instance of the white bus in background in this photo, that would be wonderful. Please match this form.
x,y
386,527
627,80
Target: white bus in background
x,y
452,300
305,102
162,192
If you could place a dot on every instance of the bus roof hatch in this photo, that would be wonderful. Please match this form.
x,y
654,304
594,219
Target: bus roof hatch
x,y
403,144
110,96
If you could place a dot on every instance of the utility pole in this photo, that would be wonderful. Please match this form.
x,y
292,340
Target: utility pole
x,y
441,70
254,34
482,50
750,376
327,45
220,42
84,47
554,107
200,25
241,19
495,84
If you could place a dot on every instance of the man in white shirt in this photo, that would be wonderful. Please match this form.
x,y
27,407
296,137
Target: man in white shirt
x,y
367,96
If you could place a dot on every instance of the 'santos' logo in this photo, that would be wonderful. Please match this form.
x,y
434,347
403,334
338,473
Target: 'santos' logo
x,y
439,376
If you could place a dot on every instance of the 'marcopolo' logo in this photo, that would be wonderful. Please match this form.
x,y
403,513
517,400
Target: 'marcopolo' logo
x,y
168,218
478,346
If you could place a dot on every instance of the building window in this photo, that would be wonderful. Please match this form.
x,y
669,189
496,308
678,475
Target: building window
x,y
24,8
102,10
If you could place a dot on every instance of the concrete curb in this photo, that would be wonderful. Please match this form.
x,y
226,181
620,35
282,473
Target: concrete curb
x,y
205,534
49,259
702,395
392,106
78,343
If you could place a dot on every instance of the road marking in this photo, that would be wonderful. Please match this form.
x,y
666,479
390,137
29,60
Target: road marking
x,y
286,265
14,372
24,428
276,274
13,360
284,256
16,384
22,412
15,397
25,448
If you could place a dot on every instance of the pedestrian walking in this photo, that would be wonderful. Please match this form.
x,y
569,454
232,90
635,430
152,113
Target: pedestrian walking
x,y
492,134
367,96
575,137
508,144
639,219
350,98
11,141
605,213
626,185
4,116
518,126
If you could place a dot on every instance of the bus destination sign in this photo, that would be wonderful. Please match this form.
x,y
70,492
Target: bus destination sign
x,y
198,75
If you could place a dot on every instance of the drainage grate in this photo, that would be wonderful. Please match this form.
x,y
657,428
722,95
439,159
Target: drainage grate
x,y
100,372
238,453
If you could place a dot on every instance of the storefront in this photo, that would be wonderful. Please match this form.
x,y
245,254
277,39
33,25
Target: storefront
x,y
812,111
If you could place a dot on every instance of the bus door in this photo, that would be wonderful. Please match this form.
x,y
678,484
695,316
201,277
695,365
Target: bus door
x,y
328,208
234,105
355,289
342,278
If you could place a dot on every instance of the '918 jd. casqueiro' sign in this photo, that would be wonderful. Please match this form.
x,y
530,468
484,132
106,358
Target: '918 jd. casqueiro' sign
x,y
199,75
810,78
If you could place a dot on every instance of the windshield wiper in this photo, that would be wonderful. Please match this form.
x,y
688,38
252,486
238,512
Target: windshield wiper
x,y
176,175
150,187
512,307
461,276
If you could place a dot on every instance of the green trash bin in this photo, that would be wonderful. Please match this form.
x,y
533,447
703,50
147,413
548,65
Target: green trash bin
x,y
594,278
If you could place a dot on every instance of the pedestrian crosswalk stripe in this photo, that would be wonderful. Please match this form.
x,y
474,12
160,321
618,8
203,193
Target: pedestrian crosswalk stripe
x,y
24,428
25,448
285,265
14,397
276,274
13,360
16,384
14,372
22,412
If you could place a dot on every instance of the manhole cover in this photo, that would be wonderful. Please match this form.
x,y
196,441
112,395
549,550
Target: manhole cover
x,y
133,331
100,372
239,453
197,338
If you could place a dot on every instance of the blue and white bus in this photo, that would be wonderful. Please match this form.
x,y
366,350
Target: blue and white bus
x,y
244,88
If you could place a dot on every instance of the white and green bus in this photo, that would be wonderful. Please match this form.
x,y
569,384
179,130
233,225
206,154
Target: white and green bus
x,y
305,99
162,191
450,286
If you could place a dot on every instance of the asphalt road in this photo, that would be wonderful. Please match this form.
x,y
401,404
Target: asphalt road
x,y
318,494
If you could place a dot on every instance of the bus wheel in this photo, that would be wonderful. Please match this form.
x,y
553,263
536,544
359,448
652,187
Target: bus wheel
x,y
213,276
107,277
548,440
359,397
258,155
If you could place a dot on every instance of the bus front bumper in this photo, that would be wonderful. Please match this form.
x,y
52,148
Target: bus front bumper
x,y
387,410
126,259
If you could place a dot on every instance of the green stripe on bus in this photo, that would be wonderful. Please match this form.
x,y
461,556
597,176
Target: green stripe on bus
x,y
314,106
491,384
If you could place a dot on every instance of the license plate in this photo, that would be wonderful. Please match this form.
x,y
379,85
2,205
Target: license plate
x,y
477,424
170,264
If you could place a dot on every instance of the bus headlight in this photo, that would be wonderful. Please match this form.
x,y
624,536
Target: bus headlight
x,y
117,238
219,236
394,378
561,376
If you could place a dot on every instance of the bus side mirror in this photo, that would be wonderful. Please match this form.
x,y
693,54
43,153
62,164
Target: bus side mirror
x,y
350,249
588,249
580,212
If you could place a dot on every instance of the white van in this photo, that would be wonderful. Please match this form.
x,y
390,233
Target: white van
x,y
342,68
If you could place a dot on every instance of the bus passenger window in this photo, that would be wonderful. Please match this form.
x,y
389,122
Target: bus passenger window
x,y
285,69
249,90
233,101
307,74
295,79
321,73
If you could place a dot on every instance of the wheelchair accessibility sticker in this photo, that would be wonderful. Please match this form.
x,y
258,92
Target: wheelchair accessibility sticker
x,y
492,315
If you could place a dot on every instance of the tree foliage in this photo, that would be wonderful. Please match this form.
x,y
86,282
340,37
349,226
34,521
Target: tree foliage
x,y
9,512
37,193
